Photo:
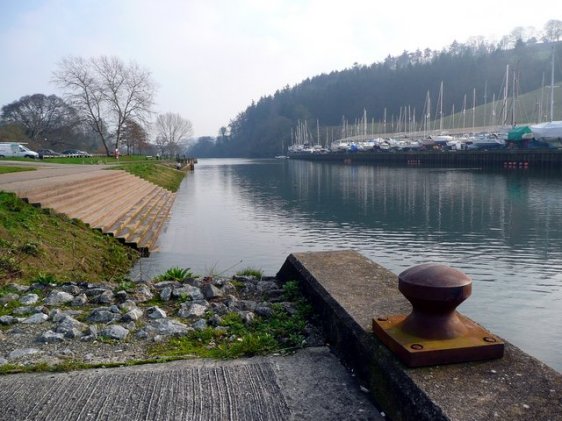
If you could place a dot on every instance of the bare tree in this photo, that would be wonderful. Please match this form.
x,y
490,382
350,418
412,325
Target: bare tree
x,y
107,93
171,131
40,115
553,30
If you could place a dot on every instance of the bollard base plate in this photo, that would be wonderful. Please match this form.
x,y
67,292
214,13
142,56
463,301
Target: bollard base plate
x,y
477,344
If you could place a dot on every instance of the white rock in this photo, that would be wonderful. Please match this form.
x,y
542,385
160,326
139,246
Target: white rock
x,y
192,310
36,319
155,313
115,332
23,352
29,299
51,337
57,298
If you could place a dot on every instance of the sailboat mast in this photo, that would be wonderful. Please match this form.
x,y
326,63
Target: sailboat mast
x,y
540,112
485,103
505,92
473,107
464,112
441,107
552,87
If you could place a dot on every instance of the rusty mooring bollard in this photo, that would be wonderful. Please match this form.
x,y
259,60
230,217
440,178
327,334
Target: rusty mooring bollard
x,y
434,332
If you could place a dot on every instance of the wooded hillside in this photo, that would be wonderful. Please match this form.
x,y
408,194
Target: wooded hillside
x,y
469,73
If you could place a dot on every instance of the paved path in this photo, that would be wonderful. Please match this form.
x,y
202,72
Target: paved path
x,y
46,174
310,385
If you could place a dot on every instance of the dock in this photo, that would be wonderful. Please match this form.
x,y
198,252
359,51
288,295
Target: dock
x,y
544,159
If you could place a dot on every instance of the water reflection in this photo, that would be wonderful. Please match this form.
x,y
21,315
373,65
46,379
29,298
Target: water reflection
x,y
503,229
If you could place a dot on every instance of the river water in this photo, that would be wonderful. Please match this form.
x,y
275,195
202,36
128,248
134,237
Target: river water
x,y
503,229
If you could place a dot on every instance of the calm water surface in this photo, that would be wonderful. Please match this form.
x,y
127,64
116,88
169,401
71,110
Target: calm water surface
x,y
503,229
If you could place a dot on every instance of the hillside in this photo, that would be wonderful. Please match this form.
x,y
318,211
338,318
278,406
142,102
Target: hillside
x,y
396,87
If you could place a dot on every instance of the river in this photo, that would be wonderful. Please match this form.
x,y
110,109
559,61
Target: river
x,y
503,229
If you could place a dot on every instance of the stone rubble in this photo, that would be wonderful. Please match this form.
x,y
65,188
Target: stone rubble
x,y
96,323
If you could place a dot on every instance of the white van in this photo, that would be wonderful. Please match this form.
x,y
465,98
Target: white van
x,y
14,149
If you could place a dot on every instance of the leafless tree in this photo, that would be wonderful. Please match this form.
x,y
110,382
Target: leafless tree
x,y
553,30
39,115
171,131
107,93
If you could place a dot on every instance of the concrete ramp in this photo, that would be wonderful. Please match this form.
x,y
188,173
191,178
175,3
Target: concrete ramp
x,y
310,385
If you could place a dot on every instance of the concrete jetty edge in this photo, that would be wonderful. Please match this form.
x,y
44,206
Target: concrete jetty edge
x,y
347,290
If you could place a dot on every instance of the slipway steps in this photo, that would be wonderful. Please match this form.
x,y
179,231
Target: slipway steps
x,y
117,203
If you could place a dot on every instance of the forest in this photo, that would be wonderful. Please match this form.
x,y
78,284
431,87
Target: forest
x,y
471,74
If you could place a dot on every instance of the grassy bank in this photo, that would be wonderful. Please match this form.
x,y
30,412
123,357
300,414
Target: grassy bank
x,y
35,245
162,174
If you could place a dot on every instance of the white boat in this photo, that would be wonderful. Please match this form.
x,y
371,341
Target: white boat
x,y
485,141
550,133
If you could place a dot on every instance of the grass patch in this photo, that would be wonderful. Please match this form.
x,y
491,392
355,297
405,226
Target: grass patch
x,y
284,330
158,173
9,169
37,244
256,273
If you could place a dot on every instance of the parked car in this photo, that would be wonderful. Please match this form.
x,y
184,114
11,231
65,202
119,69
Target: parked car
x,y
48,153
76,153
16,150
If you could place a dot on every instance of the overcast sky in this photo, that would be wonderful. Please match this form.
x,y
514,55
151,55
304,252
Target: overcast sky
x,y
211,58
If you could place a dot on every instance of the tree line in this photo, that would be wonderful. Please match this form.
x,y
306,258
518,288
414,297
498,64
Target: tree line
x,y
107,106
384,90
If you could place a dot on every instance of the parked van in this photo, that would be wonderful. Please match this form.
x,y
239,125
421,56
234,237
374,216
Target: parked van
x,y
15,149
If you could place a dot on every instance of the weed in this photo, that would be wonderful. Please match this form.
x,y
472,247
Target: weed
x,y
256,273
291,291
9,266
125,285
30,248
239,285
174,274
45,279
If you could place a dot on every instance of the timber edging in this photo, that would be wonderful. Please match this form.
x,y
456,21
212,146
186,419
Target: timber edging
x,y
347,290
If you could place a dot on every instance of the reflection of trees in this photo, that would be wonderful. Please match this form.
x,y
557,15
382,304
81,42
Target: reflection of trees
x,y
515,208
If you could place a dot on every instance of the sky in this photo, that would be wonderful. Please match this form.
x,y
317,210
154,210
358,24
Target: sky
x,y
212,58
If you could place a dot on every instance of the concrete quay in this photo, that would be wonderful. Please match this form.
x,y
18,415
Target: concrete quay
x,y
348,291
